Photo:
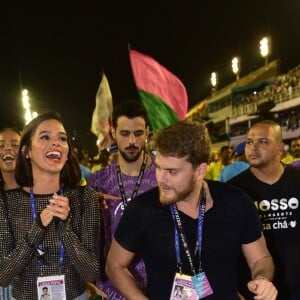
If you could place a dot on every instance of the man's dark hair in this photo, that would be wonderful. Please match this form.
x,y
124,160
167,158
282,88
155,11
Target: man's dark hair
x,y
131,109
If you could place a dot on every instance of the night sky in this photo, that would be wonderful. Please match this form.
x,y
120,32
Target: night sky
x,y
58,51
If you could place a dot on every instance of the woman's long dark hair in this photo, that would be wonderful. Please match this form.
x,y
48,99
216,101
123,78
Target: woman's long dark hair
x,y
70,175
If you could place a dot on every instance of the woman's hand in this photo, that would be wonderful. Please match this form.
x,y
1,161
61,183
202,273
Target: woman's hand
x,y
59,207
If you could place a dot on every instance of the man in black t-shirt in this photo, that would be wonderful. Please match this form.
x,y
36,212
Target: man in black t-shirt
x,y
189,226
274,189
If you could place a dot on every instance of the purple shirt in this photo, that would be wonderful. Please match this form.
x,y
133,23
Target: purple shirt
x,y
105,180
295,163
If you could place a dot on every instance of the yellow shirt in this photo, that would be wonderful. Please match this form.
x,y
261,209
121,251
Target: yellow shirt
x,y
288,159
214,170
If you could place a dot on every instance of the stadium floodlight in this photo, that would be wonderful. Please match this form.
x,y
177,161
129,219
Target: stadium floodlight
x,y
236,67
34,114
213,79
265,48
26,105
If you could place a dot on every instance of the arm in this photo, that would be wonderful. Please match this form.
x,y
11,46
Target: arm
x,y
14,263
96,182
116,269
92,290
84,250
261,265
103,197
14,257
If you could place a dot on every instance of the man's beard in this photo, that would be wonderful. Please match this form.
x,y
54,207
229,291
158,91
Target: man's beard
x,y
178,195
131,158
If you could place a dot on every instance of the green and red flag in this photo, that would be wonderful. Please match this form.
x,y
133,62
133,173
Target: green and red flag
x,y
162,93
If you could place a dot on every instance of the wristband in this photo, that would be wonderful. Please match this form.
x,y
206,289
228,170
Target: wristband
x,y
261,277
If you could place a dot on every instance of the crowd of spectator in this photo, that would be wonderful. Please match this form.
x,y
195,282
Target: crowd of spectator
x,y
283,87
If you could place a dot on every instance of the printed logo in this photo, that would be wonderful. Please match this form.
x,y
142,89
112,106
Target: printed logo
x,y
120,208
277,204
276,214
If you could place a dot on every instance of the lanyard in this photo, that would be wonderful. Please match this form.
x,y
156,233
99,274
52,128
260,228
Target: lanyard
x,y
40,251
137,184
179,232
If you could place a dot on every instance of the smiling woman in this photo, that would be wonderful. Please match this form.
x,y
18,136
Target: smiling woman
x,y
49,147
57,242
9,146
